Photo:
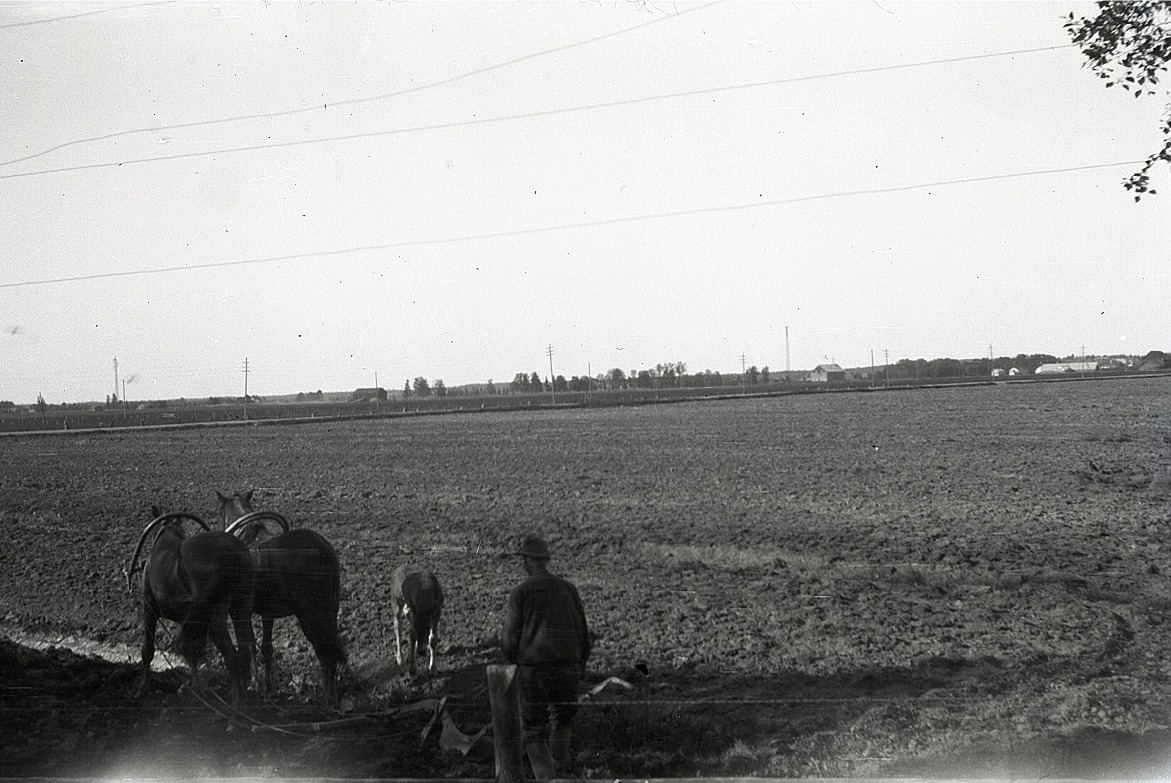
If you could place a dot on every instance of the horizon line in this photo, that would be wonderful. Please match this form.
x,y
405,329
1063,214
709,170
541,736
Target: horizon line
x,y
506,384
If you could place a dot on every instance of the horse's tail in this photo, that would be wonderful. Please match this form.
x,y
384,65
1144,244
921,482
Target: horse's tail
x,y
192,637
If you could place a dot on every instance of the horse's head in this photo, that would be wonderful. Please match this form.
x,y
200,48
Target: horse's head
x,y
244,523
234,506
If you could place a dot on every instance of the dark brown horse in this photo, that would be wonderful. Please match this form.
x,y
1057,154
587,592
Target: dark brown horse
x,y
197,581
297,575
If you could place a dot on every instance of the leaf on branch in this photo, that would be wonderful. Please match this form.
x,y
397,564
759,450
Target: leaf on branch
x,y
1129,44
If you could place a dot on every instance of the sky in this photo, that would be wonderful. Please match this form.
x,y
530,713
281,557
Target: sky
x,y
345,193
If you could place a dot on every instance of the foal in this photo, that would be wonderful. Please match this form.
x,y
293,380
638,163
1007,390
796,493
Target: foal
x,y
418,601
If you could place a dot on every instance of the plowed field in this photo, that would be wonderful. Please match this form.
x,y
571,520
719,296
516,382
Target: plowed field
x,y
932,582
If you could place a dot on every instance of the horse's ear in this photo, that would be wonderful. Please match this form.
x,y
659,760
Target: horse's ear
x,y
248,497
155,512
223,498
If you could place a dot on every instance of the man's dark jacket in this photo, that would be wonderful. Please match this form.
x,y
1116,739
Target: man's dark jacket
x,y
545,623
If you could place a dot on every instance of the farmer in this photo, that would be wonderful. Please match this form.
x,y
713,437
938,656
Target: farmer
x,y
545,635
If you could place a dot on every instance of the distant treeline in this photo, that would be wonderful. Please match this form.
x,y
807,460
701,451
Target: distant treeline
x,y
672,375
667,377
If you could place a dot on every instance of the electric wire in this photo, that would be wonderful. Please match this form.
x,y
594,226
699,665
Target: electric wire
x,y
624,102
564,226
349,101
84,13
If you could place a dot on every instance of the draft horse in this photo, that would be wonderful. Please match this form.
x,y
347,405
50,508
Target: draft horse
x,y
297,574
197,581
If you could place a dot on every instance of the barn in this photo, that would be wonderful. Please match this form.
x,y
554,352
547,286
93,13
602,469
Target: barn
x,y
377,394
827,373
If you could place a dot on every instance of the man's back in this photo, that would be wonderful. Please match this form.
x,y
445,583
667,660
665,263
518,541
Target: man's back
x,y
545,623
545,635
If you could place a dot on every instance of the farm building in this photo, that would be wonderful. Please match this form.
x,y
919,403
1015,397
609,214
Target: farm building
x,y
369,395
1065,367
1061,367
825,373
1155,360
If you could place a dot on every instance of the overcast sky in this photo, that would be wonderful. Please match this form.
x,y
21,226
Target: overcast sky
x,y
345,191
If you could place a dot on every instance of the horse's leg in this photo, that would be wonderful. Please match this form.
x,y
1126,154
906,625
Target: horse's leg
x,y
192,640
328,679
266,650
321,631
412,640
218,631
432,643
241,609
245,641
398,642
412,649
150,621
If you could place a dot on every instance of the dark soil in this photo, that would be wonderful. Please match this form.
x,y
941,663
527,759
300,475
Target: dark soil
x,y
945,582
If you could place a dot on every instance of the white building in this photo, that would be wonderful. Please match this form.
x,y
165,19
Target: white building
x,y
1063,367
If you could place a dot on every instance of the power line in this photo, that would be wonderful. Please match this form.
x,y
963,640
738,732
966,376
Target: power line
x,y
350,101
524,116
84,13
568,226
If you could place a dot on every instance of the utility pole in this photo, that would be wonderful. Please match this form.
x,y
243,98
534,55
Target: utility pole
x,y
552,377
743,375
245,387
115,377
886,365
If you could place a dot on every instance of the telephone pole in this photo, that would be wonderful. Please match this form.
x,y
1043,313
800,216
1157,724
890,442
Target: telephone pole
x,y
115,379
886,365
552,377
245,387
743,375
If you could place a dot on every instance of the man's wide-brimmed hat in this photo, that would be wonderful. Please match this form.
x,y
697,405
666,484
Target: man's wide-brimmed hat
x,y
534,547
